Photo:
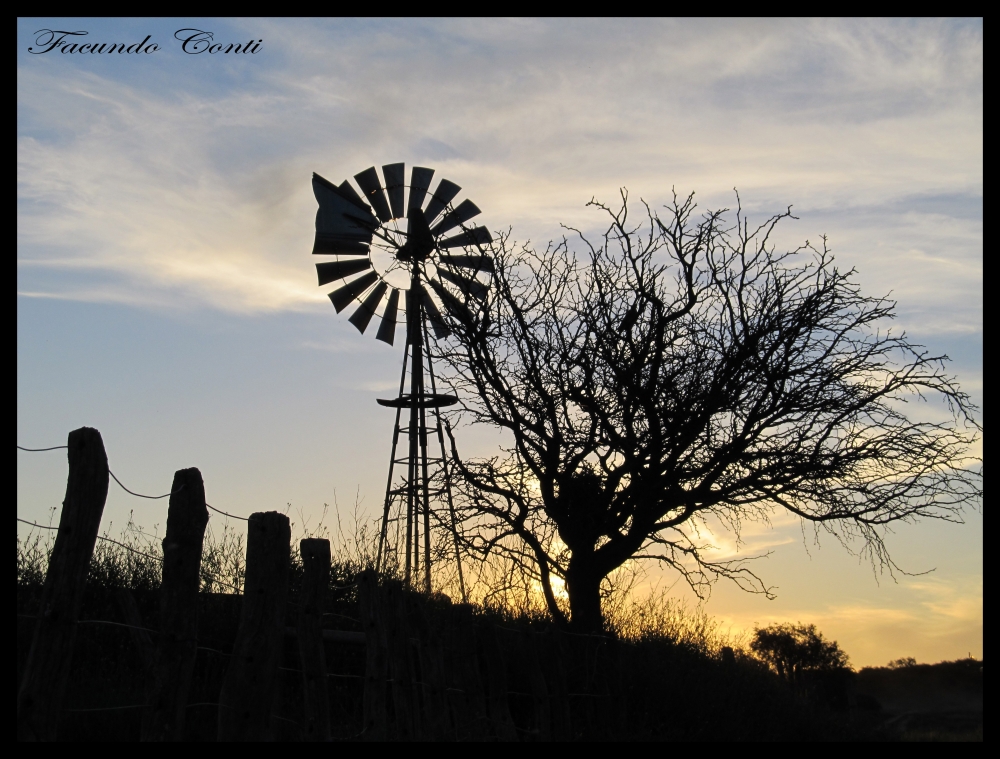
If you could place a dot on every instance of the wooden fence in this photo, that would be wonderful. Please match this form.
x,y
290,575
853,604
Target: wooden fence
x,y
432,670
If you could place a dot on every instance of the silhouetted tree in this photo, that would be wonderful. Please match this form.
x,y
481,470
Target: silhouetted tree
x,y
793,649
682,373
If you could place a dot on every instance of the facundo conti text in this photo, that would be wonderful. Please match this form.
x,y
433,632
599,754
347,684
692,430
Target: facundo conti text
x,y
193,42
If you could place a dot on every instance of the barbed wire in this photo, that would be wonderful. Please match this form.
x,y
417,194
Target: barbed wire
x,y
40,526
238,590
140,495
151,497
132,492
208,575
387,680
129,548
208,505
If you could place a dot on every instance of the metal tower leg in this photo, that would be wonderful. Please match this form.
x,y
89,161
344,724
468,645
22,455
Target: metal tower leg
x,y
392,462
414,322
447,482
415,490
427,501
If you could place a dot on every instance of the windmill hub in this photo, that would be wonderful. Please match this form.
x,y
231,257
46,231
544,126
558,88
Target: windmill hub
x,y
419,242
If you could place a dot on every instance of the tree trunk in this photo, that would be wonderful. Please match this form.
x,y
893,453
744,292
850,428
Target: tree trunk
x,y
584,588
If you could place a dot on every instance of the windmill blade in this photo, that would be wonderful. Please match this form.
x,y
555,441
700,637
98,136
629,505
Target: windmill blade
x,y
339,269
434,315
339,218
468,286
454,306
420,181
441,197
364,313
328,245
372,187
479,263
342,296
394,174
465,211
474,236
348,191
344,190
387,329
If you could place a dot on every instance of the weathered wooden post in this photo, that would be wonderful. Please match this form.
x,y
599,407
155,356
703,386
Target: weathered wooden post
x,y
376,661
248,690
469,705
316,577
554,659
397,636
539,688
430,658
144,647
163,718
46,673
496,672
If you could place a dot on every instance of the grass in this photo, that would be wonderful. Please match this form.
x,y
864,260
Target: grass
x,y
660,674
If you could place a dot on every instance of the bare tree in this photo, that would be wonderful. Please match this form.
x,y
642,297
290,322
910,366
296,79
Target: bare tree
x,y
681,373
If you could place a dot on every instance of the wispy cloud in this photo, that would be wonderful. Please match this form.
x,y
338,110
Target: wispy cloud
x,y
929,621
201,192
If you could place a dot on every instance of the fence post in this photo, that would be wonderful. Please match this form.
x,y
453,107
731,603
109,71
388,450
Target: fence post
x,y
496,672
39,701
398,643
470,703
145,650
376,661
163,718
430,659
554,654
248,689
539,688
316,577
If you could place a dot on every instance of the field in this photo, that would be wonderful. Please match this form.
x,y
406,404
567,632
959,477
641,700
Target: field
x,y
467,672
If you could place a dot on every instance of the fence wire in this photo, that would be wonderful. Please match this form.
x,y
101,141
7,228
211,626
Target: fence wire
x,y
207,649
106,539
132,492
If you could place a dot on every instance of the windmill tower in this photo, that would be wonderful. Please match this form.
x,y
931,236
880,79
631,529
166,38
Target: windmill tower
x,y
379,251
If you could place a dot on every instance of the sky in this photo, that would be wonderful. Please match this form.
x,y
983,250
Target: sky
x,y
166,292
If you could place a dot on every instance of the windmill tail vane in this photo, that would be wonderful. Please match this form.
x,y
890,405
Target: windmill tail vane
x,y
387,237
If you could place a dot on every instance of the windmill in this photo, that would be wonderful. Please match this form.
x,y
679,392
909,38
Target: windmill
x,y
379,251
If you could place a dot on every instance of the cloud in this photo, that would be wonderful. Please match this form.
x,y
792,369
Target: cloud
x,y
197,190
931,619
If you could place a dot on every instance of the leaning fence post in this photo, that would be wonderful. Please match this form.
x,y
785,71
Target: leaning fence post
x,y
316,576
163,718
39,701
248,689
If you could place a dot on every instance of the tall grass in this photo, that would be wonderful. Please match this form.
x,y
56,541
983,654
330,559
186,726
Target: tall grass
x,y
132,559
666,664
